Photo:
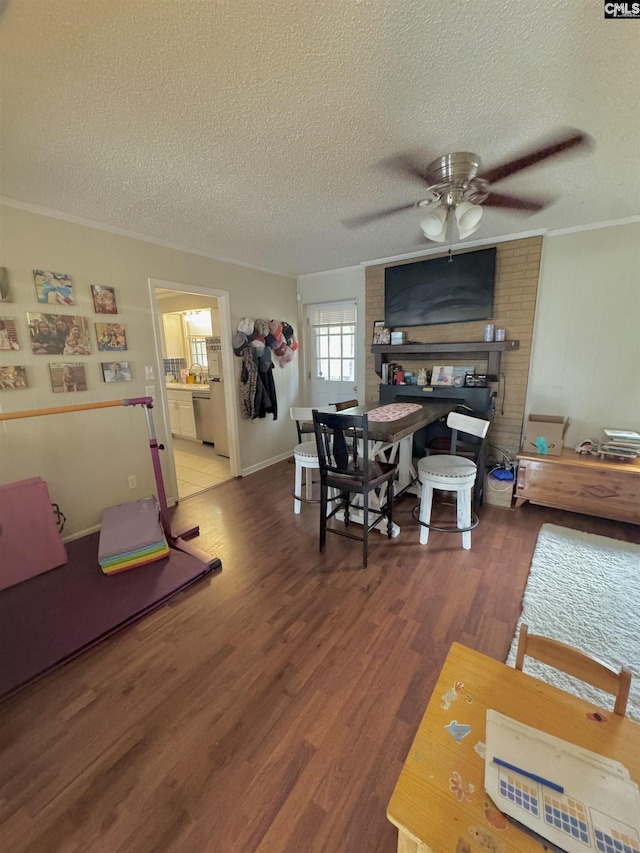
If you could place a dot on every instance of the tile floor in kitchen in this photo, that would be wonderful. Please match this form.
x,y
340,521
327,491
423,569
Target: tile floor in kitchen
x,y
198,467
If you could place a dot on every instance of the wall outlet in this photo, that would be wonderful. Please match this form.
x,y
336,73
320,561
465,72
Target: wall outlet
x,y
150,391
133,481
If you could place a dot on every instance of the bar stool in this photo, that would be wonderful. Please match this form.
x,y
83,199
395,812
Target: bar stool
x,y
451,473
305,455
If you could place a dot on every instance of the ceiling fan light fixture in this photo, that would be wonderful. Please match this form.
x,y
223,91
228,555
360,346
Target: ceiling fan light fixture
x,y
434,224
468,216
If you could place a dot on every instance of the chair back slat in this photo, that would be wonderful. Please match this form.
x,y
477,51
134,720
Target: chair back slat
x,y
346,404
339,438
465,423
574,662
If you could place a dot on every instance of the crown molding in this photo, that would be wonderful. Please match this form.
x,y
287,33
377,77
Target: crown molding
x,y
593,226
466,244
122,232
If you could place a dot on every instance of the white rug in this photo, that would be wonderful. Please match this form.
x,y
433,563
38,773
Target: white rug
x,y
585,591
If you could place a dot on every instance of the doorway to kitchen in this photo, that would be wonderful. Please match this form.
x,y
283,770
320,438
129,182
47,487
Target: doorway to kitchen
x,y
196,386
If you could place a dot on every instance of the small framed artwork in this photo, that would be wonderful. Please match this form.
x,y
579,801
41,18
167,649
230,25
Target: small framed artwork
x,y
104,299
381,334
12,377
5,290
59,334
54,288
116,371
112,337
442,375
67,376
8,334
460,374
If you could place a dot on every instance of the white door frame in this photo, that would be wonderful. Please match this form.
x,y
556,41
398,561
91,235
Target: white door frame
x,y
230,398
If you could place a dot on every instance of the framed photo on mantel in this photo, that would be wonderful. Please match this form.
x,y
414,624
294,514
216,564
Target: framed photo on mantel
x,y
381,335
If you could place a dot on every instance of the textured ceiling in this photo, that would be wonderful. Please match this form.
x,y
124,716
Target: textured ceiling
x,y
250,130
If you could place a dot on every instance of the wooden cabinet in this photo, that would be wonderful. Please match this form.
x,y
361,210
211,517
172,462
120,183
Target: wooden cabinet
x,y
181,416
581,484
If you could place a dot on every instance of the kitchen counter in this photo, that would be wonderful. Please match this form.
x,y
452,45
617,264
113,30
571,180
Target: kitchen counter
x,y
183,386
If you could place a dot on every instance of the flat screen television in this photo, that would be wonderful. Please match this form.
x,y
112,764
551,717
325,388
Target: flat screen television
x,y
440,290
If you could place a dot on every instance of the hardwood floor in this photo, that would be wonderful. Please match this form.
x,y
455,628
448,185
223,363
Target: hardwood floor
x,y
271,707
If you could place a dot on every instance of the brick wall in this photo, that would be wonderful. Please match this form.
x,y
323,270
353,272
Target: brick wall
x,y
516,286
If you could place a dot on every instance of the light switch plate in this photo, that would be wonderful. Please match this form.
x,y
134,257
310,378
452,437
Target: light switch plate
x,y
149,372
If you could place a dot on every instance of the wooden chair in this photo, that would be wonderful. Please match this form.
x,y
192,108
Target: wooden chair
x,y
451,473
345,404
576,663
343,454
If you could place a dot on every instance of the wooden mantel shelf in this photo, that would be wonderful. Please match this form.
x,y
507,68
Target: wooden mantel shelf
x,y
492,350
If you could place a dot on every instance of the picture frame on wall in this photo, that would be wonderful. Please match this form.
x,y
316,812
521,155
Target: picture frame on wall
x,y
5,288
381,334
13,377
116,371
67,377
58,334
112,337
104,299
8,335
53,288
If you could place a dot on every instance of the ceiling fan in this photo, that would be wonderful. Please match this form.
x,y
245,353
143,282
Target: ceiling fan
x,y
458,187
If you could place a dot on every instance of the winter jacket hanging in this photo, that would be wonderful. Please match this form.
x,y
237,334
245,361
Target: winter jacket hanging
x,y
266,401
248,383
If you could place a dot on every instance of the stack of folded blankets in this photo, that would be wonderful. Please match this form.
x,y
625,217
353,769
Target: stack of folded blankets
x,y
131,535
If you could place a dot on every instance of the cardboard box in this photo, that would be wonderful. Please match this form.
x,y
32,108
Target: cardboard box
x,y
544,434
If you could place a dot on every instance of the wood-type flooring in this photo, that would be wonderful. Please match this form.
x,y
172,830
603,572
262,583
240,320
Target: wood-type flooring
x,y
269,708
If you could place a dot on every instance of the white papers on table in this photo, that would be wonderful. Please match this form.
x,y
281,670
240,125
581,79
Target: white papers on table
x,y
598,806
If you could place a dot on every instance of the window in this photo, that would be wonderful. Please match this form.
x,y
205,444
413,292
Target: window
x,y
334,331
197,350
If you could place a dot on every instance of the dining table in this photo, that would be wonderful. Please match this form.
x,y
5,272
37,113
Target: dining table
x,y
391,428
439,801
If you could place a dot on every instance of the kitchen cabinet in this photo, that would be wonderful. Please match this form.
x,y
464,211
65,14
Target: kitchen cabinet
x,y
173,336
181,417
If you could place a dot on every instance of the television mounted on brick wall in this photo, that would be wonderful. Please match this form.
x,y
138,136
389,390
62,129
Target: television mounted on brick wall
x,y
451,289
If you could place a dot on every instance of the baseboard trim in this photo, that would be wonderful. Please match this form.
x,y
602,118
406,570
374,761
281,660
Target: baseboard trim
x,y
252,469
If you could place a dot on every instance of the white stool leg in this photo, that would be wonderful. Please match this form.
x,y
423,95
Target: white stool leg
x,y
426,499
308,476
464,515
297,489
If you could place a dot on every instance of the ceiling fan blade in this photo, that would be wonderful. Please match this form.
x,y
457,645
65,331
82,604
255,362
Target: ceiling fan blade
x,y
560,144
403,164
365,219
514,202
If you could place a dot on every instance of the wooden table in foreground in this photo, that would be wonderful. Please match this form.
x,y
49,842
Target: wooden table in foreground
x,y
581,484
439,802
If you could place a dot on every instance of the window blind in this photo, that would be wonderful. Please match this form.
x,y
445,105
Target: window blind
x,y
332,313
